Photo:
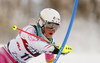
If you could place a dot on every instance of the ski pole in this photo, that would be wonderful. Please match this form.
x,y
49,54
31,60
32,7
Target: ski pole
x,y
15,27
68,32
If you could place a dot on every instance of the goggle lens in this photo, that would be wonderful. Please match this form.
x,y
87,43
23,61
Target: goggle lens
x,y
52,26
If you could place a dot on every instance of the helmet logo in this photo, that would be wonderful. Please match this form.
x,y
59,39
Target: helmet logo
x,y
56,19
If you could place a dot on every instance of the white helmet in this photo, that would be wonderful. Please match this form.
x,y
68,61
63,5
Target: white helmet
x,y
48,15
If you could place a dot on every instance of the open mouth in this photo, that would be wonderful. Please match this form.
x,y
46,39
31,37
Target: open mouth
x,y
51,33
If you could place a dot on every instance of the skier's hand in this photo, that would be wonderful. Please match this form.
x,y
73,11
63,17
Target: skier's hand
x,y
66,49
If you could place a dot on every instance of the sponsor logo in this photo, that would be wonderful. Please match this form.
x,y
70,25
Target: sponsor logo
x,y
18,46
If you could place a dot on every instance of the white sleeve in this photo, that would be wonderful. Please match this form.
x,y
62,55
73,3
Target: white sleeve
x,y
34,42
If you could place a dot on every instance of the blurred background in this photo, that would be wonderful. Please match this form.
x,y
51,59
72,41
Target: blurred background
x,y
85,34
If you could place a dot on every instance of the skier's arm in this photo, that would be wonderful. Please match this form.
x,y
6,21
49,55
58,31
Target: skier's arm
x,y
50,57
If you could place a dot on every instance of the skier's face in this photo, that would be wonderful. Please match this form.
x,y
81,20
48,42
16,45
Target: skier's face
x,y
50,29
49,33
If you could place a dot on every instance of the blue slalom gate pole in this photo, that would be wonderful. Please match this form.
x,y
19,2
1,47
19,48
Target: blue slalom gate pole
x,y
68,31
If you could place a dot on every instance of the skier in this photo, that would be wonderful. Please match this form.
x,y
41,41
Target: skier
x,y
25,47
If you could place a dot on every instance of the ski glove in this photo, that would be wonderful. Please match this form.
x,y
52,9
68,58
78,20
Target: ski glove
x,y
65,51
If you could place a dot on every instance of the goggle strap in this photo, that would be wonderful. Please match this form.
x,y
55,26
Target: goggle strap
x,y
42,19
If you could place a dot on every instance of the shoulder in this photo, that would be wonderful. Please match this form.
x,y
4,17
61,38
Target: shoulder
x,y
29,27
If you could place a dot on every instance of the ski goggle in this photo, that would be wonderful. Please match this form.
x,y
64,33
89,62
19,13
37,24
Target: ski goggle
x,y
52,26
